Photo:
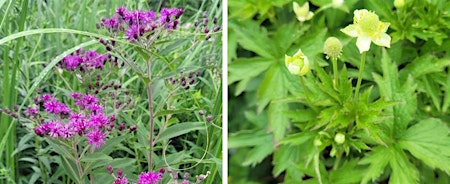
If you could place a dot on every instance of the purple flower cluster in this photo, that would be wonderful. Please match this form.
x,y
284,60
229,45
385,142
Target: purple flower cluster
x,y
149,177
90,121
138,23
84,60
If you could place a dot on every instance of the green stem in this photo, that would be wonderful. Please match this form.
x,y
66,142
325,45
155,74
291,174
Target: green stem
x,y
361,69
335,72
317,168
338,159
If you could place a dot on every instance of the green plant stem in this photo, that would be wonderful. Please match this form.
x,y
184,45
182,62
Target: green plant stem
x,y
150,108
338,159
361,69
316,167
335,72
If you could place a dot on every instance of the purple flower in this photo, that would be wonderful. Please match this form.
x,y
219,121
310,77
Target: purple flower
x,y
149,178
96,138
71,62
111,23
132,33
121,180
98,121
32,111
76,95
47,97
121,11
56,107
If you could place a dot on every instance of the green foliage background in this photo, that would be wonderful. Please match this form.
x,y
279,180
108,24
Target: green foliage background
x,y
401,132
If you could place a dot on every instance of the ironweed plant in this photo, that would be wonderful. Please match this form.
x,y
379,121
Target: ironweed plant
x,y
137,102
339,110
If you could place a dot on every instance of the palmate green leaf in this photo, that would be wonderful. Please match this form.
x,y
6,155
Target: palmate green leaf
x,y
403,171
247,68
349,172
254,38
429,141
278,123
260,141
286,156
424,65
249,139
272,87
391,89
298,138
378,159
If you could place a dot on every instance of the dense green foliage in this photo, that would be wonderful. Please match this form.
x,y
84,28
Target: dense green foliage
x,y
396,130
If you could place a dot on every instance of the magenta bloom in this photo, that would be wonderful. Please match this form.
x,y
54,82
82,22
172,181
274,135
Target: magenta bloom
x,y
149,178
96,138
121,180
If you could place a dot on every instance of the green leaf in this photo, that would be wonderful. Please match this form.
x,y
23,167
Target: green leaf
x,y
254,38
278,123
347,173
257,154
247,68
403,171
378,159
272,86
248,139
285,157
96,157
429,141
298,138
167,112
424,65
180,129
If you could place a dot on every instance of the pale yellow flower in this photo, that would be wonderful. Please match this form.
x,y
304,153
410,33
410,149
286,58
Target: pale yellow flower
x,y
368,28
297,64
303,14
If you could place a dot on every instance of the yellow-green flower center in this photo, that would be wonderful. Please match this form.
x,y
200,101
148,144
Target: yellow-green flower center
x,y
369,23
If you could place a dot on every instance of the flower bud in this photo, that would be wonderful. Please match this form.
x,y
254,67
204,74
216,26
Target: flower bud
x,y
297,64
399,3
119,172
332,47
317,142
338,3
339,138
302,13
110,169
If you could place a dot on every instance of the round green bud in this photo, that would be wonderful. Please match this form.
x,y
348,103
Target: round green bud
x,y
339,138
317,142
399,3
332,47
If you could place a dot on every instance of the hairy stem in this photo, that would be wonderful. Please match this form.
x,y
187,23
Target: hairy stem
x,y
150,108
335,72
361,69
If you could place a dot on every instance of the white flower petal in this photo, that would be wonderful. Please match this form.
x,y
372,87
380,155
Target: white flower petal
x,y
383,40
310,15
383,27
294,69
363,43
351,30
